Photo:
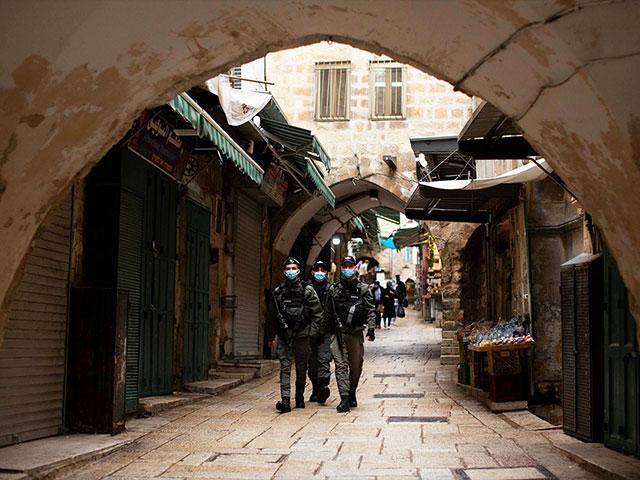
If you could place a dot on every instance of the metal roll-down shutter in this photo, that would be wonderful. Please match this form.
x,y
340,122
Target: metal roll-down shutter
x,y
248,237
32,354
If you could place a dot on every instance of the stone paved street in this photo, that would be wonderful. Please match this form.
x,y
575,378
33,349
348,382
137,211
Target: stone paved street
x,y
412,422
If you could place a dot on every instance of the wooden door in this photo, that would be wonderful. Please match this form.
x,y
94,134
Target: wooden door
x,y
196,297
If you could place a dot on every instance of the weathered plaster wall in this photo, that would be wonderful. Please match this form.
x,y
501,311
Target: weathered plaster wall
x,y
74,76
555,236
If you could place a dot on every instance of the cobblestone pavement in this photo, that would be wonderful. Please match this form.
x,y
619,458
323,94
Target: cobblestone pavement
x,y
412,422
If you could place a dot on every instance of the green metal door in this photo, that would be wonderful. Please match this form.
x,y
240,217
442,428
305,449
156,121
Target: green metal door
x,y
158,292
196,298
621,364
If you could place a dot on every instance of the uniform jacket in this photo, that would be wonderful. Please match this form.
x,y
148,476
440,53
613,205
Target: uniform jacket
x,y
330,320
311,302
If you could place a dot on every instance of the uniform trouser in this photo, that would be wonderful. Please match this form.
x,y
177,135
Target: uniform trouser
x,y
299,350
320,363
348,360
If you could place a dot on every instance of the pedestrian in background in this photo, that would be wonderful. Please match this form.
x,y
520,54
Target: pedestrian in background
x,y
376,292
389,305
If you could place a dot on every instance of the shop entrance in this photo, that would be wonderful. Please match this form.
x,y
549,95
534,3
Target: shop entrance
x,y
158,287
622,365
196,301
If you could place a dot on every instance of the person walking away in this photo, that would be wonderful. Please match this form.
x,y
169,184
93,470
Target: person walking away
x,y
401,291
376,292
320,354
401,294
348,311
298,314
389,305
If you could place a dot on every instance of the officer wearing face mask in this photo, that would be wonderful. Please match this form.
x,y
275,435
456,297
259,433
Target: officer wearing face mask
x,y
320,356
297,313
349,311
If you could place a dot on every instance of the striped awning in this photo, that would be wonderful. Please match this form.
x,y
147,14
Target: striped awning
x,y
208,129
321,185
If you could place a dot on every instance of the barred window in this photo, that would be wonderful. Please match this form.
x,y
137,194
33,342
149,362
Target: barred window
x,y
332,90
387,90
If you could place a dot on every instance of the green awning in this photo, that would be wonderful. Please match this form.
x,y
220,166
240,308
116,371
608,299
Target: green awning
x,y
388,214
297,139
320,184
321,153
300,147
357,222
410,237
209,130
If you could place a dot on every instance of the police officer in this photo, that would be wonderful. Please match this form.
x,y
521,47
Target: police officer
x,y
320,357
348,311
297,312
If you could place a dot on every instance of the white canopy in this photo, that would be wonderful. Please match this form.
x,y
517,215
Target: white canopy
x,y
527,173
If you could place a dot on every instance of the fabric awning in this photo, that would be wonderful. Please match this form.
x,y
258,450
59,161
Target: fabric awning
x,y
321,185
474,201
301,148
526,173
409,237
209,130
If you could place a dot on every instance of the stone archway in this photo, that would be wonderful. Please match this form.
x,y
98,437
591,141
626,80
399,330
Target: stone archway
x,y
351,198
75,75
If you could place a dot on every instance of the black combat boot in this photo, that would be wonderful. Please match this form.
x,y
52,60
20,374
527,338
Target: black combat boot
x,y
299,401
343,406
284,406
323,390
314,392
353,401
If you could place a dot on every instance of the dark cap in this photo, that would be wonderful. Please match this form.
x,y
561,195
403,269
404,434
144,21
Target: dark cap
x,y
319,264
348,259
289,261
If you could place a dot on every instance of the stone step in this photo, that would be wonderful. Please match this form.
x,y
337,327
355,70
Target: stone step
x,y
232,374
262,367
449,359
214,386
149,406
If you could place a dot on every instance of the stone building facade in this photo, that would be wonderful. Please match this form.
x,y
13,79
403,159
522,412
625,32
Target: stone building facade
x,y
358,143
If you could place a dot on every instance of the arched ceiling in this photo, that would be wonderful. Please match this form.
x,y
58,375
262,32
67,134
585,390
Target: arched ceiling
x,y
75,75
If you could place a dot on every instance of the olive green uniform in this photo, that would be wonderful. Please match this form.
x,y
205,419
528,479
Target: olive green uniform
x,y
320,355
349,310
299,313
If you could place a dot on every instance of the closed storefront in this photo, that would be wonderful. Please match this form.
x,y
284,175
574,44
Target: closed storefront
x,y
32,354
248,237
196,297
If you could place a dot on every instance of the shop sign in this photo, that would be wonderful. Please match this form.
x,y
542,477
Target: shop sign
x,y
156,141
275,185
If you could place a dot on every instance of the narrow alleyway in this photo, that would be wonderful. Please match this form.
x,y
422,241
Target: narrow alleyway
x,y
412,422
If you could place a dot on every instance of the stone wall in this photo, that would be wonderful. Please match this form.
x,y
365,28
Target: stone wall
x,y
356,146
451,239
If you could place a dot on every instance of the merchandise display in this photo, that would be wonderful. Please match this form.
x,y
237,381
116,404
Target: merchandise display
x,y
515,331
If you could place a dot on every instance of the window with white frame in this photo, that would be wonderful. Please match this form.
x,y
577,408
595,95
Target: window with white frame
x,y
387,89
332,90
